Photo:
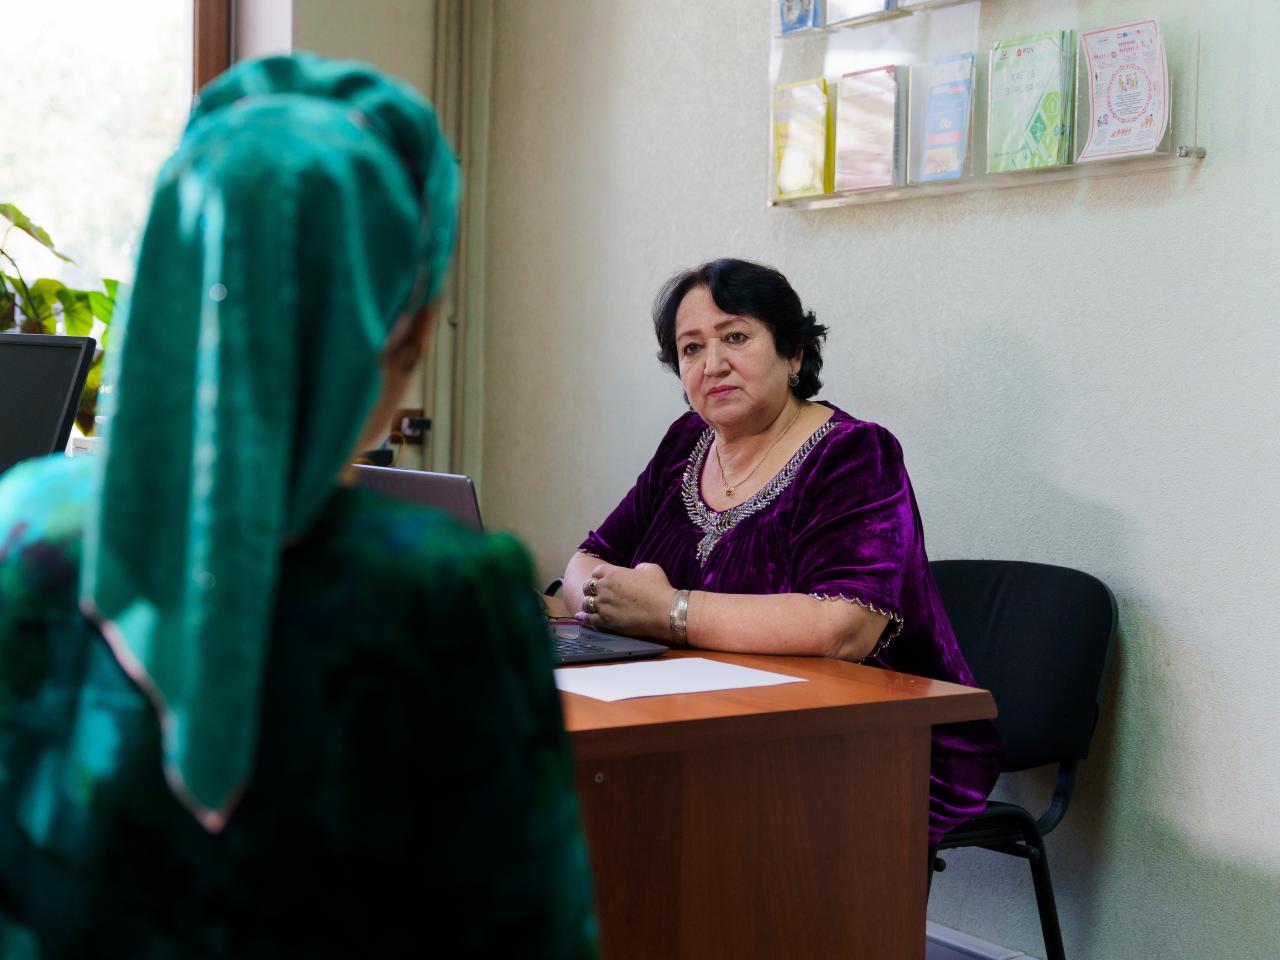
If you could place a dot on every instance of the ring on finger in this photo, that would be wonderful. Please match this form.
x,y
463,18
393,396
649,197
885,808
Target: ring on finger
x,y
589,588
590,605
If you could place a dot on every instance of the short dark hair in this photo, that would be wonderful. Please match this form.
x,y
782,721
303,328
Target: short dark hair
x,y
743,288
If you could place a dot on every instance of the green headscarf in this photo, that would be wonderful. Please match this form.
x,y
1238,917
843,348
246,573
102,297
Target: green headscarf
x,y
309,205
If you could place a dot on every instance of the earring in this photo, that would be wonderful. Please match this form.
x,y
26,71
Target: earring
x,y
793,381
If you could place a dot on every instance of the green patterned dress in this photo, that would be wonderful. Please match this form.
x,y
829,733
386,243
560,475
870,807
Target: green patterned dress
x,y
411,792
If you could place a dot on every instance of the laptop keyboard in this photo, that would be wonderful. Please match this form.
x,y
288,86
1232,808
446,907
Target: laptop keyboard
x,y
570,647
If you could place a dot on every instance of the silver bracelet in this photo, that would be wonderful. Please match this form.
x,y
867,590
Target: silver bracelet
x,y
676,620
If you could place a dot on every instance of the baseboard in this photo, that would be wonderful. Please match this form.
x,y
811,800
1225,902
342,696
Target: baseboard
x,y
943,943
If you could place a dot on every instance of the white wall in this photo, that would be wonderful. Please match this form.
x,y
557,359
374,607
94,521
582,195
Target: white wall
x,y
397,36
1122,419
262,28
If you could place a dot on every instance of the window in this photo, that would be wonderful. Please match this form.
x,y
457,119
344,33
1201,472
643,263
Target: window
x,y
94,99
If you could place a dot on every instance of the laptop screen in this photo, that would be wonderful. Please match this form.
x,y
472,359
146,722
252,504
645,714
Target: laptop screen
x,y
41,378
451,493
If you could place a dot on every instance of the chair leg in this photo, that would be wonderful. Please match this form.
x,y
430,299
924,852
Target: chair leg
x,y
1045,902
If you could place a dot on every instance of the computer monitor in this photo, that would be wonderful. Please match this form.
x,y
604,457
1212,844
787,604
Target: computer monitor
x,y
41,379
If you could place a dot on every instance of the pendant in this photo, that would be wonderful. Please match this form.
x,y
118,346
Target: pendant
x,y
728,493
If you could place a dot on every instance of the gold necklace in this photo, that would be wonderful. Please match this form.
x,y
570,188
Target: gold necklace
x,y
730,487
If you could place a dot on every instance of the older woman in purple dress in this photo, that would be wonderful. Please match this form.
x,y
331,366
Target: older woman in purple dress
x,y
770,523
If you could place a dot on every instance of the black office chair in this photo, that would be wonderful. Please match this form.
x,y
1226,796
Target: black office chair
x,y
1038,637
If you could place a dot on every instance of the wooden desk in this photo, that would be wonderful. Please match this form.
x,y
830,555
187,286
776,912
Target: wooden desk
x,y
786,821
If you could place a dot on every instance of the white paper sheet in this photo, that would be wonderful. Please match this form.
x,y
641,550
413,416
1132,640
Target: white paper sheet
x,y
658,678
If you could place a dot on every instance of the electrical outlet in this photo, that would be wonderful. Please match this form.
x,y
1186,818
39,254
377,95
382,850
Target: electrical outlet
x,y
411,424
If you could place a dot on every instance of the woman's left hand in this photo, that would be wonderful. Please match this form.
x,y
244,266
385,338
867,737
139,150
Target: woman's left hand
x,y
634,602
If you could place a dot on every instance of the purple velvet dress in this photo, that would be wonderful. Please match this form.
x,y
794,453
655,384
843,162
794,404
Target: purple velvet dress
x,y
839,520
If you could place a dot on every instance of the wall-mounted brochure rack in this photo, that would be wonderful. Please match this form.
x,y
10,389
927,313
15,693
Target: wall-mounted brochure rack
x,y
916,99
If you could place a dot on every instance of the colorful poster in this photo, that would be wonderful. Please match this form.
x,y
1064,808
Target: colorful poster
x,y
947,119
800,139
1029,120
1128,90
798,15
867,108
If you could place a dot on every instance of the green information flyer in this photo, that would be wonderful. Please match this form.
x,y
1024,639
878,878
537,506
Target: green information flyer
x,y
1029,125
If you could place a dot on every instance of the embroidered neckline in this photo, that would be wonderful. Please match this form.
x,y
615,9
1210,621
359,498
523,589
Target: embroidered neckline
x,y
715,525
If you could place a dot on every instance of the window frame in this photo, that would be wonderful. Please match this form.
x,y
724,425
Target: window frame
x,y
211,43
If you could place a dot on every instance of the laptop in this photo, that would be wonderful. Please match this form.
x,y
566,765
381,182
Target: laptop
x,y
455,495
41,380
571,642
451,493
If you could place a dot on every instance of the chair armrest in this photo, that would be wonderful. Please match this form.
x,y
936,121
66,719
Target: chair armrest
x,y
1062,790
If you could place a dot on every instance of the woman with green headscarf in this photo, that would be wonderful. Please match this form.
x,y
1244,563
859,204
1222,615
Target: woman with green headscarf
x,y
246,710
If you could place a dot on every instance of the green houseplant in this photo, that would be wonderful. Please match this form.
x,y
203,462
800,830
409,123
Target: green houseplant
x,y
47,305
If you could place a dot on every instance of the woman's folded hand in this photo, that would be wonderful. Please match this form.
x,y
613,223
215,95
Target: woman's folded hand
x,y
635,602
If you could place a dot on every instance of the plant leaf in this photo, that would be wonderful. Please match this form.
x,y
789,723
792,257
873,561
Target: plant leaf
x,y
102,306
35,232
89,398
8,311
77,315
23,316
44,295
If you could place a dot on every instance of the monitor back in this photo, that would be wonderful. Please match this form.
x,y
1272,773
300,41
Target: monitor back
x,y
41,379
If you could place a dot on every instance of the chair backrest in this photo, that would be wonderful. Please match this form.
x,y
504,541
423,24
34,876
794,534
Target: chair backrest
x,y
1038,637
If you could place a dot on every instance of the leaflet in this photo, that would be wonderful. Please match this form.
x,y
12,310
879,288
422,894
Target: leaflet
x,y
841,12
948,116
796,16
1029,121
801,141
1128,90
868,128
